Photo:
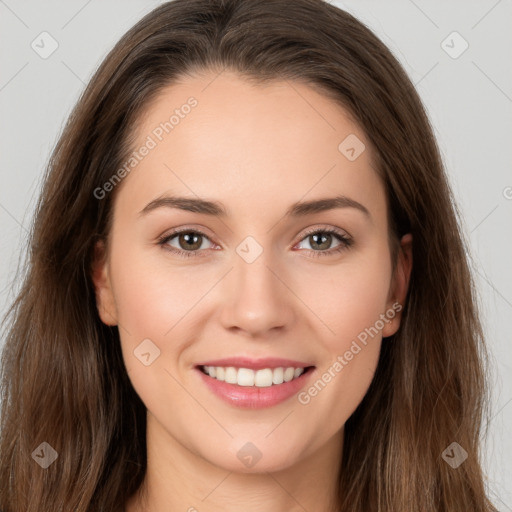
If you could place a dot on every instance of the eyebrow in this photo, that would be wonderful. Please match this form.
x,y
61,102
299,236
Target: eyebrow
x,y
217,209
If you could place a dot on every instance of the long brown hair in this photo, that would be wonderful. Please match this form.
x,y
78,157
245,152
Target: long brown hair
x,y
63,380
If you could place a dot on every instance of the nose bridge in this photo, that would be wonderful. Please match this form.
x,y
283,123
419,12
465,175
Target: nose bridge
x,y
256,299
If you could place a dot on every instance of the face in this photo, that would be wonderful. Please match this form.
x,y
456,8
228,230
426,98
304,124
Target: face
x,y
253,275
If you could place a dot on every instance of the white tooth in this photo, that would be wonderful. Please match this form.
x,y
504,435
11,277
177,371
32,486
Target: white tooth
x,y
277,375
230,375
248,377
263,378
288,374
245,377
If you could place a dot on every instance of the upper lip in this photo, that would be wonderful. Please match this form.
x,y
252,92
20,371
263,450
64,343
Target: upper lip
x,y
255,364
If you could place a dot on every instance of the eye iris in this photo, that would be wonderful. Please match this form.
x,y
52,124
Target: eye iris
x,y
188,237
325,237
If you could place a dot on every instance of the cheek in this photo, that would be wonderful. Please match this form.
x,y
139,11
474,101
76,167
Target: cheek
x,y
348,298
351,351
154,301
152,295
160,301
358,299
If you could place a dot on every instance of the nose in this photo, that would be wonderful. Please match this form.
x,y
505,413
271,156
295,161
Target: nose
x,y
256,298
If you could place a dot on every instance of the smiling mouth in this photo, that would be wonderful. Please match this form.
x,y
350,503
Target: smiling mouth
x,y
247,377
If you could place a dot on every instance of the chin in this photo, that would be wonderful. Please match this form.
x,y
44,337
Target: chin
x,y
253,458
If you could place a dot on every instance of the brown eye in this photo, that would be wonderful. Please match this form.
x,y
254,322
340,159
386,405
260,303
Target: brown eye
x,y
189,242
321,240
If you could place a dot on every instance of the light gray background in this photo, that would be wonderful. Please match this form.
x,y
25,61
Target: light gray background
x,y
469,100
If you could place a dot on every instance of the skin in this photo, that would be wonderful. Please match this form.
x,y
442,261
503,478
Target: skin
x,y
257,149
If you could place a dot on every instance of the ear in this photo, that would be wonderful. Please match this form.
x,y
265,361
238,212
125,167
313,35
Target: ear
x,y
400,285
103,288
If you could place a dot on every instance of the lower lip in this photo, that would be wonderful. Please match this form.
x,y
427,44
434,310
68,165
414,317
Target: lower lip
x,y
252,397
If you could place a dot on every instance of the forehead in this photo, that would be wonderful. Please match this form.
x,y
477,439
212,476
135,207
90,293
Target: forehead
x,y
250,146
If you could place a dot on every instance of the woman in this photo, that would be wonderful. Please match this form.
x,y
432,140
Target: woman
x,y
177,346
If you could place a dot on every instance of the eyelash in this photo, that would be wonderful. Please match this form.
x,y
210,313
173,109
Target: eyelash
x,y
345,242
